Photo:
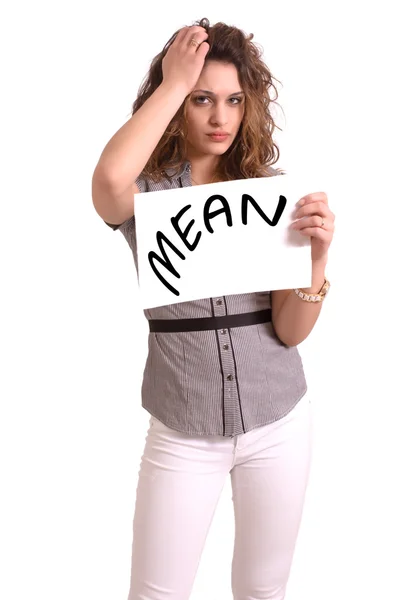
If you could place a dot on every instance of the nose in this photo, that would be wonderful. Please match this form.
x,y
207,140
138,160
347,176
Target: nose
x,y
219,115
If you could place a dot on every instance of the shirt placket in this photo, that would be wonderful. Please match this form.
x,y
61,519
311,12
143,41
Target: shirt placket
x,y
231,400
233,423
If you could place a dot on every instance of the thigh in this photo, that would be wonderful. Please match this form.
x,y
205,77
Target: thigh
x,y
180,482
269,484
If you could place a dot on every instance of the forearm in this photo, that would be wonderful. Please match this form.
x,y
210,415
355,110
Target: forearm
x,y
296,317
128,151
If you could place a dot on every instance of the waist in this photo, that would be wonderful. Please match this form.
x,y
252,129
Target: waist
x,y
207,323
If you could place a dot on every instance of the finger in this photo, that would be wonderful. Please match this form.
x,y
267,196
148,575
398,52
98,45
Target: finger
x,y
199,42
317,232
316,196
180,36
313,221
314,208
196,32
202,50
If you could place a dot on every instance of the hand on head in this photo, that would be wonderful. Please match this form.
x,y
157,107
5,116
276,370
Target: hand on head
x,y
184,60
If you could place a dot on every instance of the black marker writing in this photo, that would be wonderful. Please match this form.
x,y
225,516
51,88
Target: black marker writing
x,y
207,216
166,262
183,236
278,213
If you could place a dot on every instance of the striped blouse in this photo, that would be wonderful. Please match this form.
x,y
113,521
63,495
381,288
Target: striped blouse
x,y
215,382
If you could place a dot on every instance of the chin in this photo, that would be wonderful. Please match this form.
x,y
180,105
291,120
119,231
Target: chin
x,y
217,149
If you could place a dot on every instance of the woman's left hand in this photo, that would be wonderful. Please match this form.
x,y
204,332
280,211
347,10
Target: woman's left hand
x,y
317,221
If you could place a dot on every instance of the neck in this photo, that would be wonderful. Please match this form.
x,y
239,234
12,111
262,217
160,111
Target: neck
x,y
201,174
203,167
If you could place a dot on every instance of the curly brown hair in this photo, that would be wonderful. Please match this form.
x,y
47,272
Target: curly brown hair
x,y
253,149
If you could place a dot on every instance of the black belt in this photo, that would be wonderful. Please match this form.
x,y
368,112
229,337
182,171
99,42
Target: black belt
x,y
204,323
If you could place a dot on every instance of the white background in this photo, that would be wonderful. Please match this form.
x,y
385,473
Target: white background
x,y
74,340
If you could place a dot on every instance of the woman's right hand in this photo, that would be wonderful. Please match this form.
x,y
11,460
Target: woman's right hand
x,y
184,61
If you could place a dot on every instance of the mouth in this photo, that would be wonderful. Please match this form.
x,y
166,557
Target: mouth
x,y
218,137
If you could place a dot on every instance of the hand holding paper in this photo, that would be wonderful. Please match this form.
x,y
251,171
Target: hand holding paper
x,y
317,221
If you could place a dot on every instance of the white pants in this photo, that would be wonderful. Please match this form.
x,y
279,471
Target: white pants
x,y
180,482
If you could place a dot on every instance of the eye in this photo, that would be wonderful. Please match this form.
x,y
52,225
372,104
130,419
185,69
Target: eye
x,y
198,98
238,100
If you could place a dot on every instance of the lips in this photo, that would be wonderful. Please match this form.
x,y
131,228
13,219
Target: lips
x,y
218,136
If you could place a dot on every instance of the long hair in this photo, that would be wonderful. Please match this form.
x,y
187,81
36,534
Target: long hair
x,y
253,149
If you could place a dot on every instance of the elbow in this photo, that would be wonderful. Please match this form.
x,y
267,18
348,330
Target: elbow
x,y
288,340
284,339
289,343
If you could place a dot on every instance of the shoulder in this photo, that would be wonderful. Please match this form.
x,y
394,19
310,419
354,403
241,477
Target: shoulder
x,y
147,184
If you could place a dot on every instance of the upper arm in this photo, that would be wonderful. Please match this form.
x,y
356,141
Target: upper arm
x,y
114,207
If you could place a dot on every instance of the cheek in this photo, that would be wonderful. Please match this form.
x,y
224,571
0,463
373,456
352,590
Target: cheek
x,y
192,123
195,129
239,118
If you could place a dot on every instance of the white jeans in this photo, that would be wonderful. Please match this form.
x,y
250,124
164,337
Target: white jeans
x,y
180,482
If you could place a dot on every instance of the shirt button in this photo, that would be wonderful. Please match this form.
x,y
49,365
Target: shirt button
x,y
219,302
223,331
229,377
225,346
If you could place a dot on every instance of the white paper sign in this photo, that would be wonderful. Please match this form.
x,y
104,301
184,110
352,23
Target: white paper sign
x,y
223,238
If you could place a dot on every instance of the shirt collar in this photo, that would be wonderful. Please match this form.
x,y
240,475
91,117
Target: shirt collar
x,y
185,168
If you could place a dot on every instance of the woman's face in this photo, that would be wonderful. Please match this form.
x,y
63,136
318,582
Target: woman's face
x,y
216,106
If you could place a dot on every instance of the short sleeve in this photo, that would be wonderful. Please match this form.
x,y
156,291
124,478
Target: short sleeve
x,y
143,187
274,172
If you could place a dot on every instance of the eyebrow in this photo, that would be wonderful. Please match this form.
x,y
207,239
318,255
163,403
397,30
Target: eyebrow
x,y
212,93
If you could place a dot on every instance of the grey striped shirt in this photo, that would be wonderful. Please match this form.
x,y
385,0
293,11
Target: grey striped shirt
x,y
219,382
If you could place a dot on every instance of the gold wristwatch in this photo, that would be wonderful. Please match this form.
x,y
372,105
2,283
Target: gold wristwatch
x,y
314,297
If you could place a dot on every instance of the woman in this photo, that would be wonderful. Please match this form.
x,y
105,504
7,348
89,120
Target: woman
x,y
223,381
